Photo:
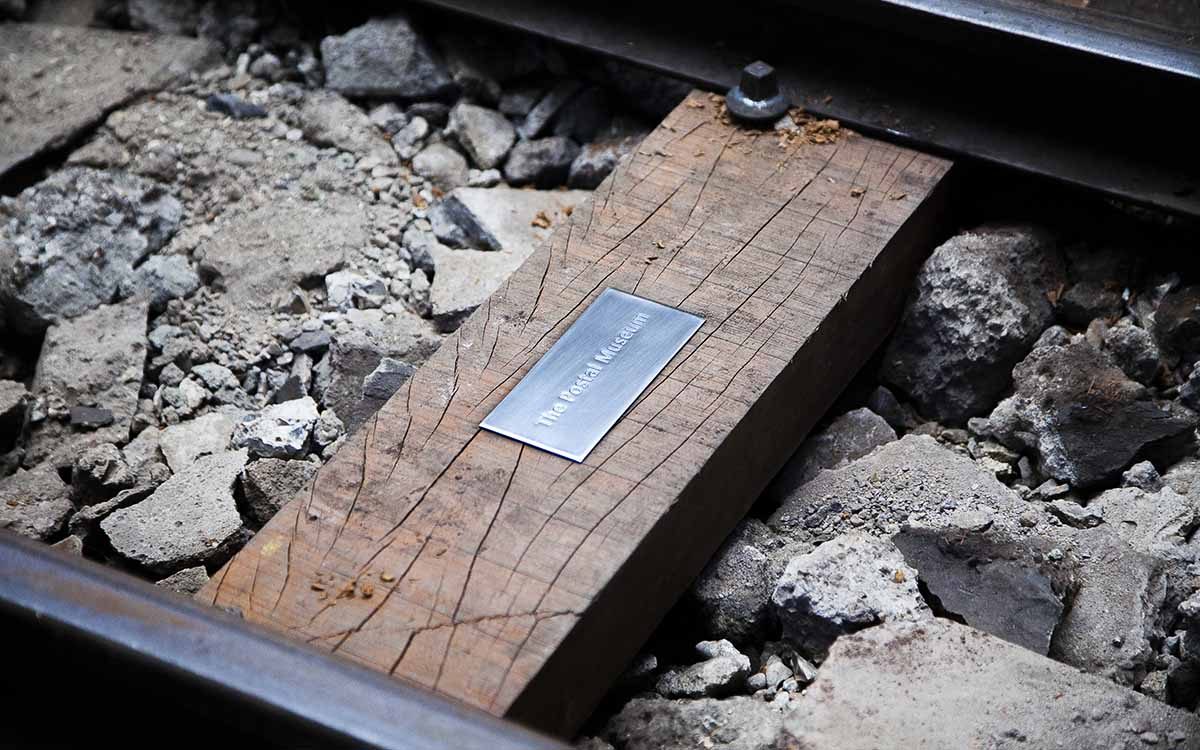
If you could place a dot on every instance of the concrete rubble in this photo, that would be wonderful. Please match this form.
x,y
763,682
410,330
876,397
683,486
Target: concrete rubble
x,y
203,292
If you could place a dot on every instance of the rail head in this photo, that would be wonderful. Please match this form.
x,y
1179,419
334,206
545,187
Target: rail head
x,y
292,693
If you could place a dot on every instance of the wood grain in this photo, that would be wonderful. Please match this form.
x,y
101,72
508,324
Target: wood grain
x,y
520,582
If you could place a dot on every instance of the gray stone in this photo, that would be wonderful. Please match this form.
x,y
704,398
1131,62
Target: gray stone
x,y
35,503
278,431
269,483
311,342
733,593
900,416
357,351
261,253
435,114
387,378
1063,393
484,133
1189,392
1182,477
851,436
407,141
536,122
738,723
329,120
941,684
328,429
94,360
1177,322
190,519
498,217
978,304
48,247
388,117
1134,350
86,521
722,672
846,584
188,581
71,546
1085,301
99,473
1143,476
12,411
163,278
215,377
233,106
347,289
913,481
42,112
384,57
544,162
517,102
1075,515
144,457
181,444
442,166
468,68
597,160
1112,621
1003,589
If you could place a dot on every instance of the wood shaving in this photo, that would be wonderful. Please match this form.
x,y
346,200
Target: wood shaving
x,y
857,192
807,129
541,220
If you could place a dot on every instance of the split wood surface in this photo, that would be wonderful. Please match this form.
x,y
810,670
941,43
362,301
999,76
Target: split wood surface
x,y
521,582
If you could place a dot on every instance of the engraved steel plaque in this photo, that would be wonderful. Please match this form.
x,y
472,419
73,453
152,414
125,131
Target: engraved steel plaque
x,y
580,388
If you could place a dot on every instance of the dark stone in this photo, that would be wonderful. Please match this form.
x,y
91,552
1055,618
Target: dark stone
x,y
547,107
311,342
1088,300
456,226
435,113
584,116
999,589
544,162
1177,322
978,306
90,417
1086,419
238,109
650,94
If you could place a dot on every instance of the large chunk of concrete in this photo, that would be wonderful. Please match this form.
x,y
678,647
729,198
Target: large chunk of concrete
x,y
977,306
938,684
384,57
190,519
912,481
73,242
94,360
35,503
272,249
1064,394
852,435
1007,590
733,593
181,444
849,583
56,81
732,724
329,120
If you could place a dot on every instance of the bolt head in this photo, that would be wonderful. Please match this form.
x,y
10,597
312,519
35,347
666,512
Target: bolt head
x,y
759,81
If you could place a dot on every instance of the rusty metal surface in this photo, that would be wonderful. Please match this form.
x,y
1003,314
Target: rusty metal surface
x,y
935,81
89,645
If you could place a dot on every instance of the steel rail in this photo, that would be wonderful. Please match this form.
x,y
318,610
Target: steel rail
x,y
89,644
1077,108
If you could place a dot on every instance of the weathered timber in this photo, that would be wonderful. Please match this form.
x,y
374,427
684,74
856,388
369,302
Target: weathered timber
x,y
521,582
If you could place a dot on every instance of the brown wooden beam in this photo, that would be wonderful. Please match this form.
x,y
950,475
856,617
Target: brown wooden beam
x,y
521,582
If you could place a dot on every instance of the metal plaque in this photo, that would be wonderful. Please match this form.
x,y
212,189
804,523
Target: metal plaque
x,y
580,388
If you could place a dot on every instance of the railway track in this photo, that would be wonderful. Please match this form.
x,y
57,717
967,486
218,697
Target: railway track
x,y
1036,88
